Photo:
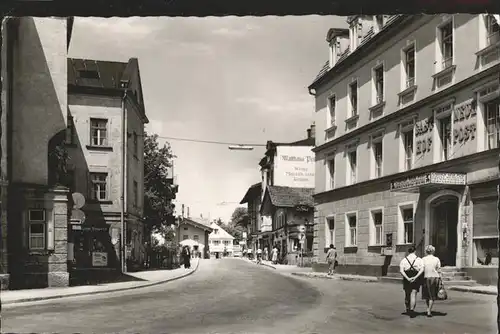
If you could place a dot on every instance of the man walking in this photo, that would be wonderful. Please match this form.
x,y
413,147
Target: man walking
x,y
410,268
331,256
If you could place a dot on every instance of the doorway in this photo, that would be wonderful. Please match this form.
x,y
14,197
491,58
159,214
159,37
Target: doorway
x,y
444,229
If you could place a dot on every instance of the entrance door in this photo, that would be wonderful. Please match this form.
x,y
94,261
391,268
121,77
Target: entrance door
x,y
445,231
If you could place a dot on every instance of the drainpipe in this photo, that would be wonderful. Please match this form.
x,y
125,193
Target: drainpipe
x,y
124,84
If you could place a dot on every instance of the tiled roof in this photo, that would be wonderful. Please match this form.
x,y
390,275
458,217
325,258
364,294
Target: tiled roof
x,y
290,197
323,70
198,222
110,72
252,192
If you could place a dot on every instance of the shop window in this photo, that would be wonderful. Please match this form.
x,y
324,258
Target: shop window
x,y
486,251
36,236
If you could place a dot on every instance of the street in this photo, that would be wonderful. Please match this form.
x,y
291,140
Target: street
x,y
235,296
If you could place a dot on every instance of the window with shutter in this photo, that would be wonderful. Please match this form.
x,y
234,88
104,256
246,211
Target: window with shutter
x,y
484,218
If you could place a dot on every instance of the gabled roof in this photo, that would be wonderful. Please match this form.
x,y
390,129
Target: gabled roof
x,y
106,76
221,235
198,223
289,197
252,192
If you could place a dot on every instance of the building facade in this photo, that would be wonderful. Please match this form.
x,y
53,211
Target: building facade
x,y
105,140
409,109
220,241
194,232
34,200
290,169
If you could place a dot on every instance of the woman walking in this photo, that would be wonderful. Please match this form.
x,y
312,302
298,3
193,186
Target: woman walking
x,y
331,256
432,277
186,255
275,255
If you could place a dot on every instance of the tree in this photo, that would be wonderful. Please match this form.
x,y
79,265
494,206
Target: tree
x,y
240,217
159,191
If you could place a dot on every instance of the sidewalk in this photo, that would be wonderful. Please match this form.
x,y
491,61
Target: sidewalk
x,y
145,279
481,289
286,267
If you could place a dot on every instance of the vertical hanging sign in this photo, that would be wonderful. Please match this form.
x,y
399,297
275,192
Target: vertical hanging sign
x,y
50,231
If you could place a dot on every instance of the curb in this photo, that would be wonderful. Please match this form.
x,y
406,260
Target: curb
x,y
26,300
471,290
311,276
268,265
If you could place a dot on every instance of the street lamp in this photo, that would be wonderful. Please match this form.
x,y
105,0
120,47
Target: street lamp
x,y
240,147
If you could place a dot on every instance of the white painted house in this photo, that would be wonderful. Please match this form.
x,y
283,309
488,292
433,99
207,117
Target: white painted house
x,y
219,241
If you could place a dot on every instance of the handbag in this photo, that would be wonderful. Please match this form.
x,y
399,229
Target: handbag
x,y
442,294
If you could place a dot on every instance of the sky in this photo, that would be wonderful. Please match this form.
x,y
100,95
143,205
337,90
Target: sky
x,y
228,79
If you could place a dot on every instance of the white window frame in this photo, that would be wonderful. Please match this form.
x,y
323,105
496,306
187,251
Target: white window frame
x,y
330,177
376,138
440,61
438,148
331,119
405,81
348,231
354,34
329,233
93,195
401,223
378,98
349,171
492,89
334,44
352,112
372,229
378,27
404,128
486,38
99,131
43,235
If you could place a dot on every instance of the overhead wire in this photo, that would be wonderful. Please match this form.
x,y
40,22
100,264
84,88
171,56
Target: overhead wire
x,y
209,141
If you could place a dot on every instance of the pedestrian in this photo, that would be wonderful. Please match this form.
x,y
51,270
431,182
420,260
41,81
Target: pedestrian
x,y
331,256
274,255
432,277
411,268
266,254
186,257
259,256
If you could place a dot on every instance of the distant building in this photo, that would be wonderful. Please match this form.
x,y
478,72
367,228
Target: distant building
x,y
289,169
220,241
407,114
194,232
97,103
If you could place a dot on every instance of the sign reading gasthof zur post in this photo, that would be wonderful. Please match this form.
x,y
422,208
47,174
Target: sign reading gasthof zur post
x,y
294,166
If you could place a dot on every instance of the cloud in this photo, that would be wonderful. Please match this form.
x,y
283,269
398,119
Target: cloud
x,y
235,32
133,27
275,107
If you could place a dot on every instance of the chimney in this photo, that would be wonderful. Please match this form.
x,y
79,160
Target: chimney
x,y
312,131
188,212
182,210
308,133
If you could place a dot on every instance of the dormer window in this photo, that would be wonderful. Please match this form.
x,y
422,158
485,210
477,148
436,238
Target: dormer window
x,y
379,22
353,35
334,48
88,78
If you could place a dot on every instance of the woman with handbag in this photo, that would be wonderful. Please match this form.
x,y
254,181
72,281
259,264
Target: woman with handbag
x,y
432,279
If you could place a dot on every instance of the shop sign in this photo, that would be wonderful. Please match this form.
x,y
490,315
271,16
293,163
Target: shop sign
x,y
302,208
429,178
423,134
94,229
99,259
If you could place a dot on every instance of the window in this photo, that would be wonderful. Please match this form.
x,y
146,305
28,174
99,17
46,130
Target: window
x,y
492,118
377,227
353,35
226,243
377,158
351,229
331,172
280,222
196,237
353,98
216,231
36,236
331,231
408,149
216,242
409,66
445,137
407,224
446,43
98,129
331,108
136,194
185,237
379,22
353,166
88,74
99,186
378,78
70,131
492,30
136,144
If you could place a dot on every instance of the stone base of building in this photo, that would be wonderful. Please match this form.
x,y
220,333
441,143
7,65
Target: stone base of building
x,y
358,269
45,280
4,281
483,275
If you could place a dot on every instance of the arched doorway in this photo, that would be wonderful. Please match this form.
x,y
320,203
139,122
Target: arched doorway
x,y
443,228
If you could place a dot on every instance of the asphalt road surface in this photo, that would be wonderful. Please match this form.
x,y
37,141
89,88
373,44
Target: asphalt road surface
x,y
235,296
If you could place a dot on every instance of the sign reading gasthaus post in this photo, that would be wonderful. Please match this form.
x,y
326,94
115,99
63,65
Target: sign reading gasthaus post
x,y
294,166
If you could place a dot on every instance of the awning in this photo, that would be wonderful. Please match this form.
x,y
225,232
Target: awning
x,y
428,181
